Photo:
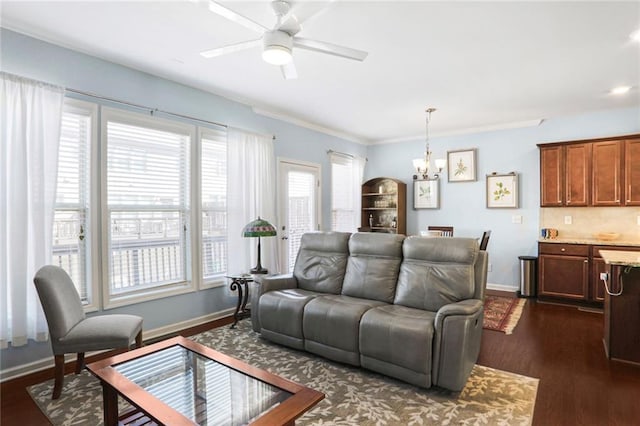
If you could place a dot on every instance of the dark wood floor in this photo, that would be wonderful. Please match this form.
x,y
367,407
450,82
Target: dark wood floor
x,y
560,345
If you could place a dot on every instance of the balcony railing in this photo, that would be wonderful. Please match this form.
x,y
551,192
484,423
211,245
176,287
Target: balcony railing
x,y
143,264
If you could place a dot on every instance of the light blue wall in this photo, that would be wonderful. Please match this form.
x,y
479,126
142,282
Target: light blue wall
x,y
28,57
463,204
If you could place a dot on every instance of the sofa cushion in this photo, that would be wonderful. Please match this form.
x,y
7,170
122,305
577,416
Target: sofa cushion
x,y
397,341
436,271
321,261
373,265
331,326
281,315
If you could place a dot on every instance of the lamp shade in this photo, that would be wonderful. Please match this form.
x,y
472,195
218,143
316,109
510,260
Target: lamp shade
x,y
258,228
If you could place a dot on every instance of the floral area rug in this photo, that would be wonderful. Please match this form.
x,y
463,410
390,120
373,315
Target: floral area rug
x,y
353,396
502,313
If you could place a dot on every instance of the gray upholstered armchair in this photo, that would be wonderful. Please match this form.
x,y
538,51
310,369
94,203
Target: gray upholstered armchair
x,y
71,331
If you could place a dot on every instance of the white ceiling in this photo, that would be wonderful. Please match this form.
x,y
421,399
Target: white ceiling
x,y
481,64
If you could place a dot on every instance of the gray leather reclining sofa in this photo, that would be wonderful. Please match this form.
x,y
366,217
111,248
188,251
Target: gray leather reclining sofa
x,y
407,307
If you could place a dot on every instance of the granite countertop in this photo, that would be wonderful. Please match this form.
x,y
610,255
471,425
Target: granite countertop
x,y
592,241
624,258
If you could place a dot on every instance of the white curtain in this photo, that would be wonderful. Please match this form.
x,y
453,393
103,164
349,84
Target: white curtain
x,y
251,193
30,113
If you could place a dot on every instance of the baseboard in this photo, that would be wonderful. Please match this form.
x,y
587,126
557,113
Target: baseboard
x,y
501,287
43,364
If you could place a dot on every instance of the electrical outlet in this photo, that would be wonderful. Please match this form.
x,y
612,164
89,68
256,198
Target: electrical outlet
x,y
567,220
516,218
604,276
490,267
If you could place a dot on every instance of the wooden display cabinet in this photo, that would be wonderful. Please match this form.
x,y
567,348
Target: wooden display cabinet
x,y
384,206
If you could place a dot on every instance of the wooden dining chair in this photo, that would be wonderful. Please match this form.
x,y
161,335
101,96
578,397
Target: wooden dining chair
x,y
445,231
484,241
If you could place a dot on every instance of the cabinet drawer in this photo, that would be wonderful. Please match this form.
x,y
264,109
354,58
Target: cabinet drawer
x,y
564,249
596,249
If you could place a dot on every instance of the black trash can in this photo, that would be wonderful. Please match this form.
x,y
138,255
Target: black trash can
x,y
528,276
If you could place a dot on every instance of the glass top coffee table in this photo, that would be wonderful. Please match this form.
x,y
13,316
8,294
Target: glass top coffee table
x,y
181,382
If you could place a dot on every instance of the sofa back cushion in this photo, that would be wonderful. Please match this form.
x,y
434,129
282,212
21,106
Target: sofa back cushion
x,y
321,261
436,272
373,265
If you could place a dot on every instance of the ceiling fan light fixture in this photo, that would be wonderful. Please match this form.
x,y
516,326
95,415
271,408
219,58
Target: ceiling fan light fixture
x,y
277,55
277,48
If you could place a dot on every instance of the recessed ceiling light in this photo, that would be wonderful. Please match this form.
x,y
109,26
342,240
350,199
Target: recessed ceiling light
x,y
635,36
620,90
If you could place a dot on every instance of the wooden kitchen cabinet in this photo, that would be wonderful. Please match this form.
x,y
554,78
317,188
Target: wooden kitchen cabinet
x,y
551,176
607,164
598,172
563,270
578,174
632,172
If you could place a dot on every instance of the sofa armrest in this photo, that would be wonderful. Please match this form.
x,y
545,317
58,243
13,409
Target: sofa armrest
x,y
464,307
276,282
458,331
262,285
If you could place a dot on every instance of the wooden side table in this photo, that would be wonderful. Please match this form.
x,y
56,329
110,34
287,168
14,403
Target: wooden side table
x,y
241,284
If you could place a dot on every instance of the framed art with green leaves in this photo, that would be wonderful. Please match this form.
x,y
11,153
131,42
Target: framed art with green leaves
x,y
461,165
502,191
426,194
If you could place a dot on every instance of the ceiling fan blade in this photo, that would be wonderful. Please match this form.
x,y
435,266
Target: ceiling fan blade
x,y
331,49
236,17
231,48
289,71
299,12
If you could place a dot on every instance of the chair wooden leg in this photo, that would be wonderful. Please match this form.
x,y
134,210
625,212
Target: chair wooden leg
x,y
80,362
58,376
139,340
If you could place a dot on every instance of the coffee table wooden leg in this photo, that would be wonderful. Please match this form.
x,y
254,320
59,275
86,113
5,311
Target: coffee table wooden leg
x,y
110,405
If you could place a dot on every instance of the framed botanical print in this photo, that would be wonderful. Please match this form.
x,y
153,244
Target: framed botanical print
x,y
426,194
461,165
502,191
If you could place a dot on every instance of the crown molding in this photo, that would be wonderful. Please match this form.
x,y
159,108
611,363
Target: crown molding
x,y
307,124
465,131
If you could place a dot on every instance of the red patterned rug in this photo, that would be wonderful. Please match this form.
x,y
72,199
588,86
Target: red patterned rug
x,y
502,313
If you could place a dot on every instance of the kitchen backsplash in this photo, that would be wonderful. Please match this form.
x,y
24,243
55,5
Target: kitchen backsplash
x,y
586,221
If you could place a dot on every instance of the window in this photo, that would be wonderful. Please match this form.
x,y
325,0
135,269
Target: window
x,y
213,166
346,177
147,199
71,239
137,214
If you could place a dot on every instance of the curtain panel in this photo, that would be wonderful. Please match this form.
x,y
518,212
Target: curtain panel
x,y
251,193
30,113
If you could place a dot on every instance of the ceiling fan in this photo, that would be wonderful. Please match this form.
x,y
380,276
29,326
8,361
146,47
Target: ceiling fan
x,y
279,41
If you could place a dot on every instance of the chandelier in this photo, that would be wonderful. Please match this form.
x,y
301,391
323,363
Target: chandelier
x,y
422,165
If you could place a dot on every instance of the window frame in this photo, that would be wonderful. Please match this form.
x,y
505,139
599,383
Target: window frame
x,y
197,176
92,263
190,283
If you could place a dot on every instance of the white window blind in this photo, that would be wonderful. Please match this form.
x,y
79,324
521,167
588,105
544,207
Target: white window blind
x,y
214,203
343,204
148,204
70,231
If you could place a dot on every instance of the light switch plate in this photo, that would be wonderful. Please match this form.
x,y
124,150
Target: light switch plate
x,y
567,220
516,218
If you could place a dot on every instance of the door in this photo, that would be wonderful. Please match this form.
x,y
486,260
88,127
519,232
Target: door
x,y
632,172
298,205
607,173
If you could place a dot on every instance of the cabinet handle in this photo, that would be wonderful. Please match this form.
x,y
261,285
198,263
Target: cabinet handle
x,y
562,249
586,261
